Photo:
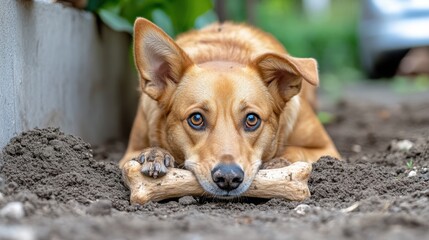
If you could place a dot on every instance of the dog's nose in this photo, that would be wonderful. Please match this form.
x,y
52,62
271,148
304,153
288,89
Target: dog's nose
x,y
227,176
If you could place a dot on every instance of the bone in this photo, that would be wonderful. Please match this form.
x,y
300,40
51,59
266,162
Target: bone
x,y
287,183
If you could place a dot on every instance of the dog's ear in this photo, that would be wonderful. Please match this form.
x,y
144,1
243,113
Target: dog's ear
x,y
159,60
283,74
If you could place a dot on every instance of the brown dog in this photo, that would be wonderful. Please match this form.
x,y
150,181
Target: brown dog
x,y
222,102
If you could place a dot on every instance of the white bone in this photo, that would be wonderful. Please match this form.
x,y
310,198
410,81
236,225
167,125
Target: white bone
x,y
289,183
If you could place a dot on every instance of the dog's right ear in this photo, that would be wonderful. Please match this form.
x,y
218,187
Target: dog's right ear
x,y
284,74
160,61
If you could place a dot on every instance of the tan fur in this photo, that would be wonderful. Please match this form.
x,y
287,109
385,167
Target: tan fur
x,y
225,71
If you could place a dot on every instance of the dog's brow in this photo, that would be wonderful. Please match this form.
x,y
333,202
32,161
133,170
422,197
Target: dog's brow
x,y
205,106
243,106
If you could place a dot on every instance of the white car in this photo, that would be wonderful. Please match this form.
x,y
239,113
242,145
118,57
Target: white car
x,y
388,29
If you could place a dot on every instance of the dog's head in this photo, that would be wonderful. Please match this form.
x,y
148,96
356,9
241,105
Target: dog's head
x,y
221,117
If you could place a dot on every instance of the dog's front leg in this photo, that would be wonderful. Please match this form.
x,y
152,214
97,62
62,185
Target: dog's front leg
x,y
300,154
277,162
308,154
295,154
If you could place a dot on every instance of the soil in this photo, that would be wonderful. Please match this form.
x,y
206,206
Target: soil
x,y
69,190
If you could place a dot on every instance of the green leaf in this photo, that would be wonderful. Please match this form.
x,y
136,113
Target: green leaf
x,y
131,9
183,13
205,19
402,84
160,18
173,16
116,22
94,5
410,164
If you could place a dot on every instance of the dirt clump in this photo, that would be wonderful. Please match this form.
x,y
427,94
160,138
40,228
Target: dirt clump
x,y
336,183
60,167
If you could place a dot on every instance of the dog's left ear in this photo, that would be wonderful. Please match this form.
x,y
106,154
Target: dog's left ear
x,y
283,74
160,61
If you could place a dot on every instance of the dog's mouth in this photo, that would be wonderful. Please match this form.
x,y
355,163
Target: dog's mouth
x,y
213,189
217,192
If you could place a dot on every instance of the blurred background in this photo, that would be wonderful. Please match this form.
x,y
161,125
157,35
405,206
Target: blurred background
x,y
369,52
352,40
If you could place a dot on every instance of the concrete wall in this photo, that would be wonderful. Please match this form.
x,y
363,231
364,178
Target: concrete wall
x,y
59,67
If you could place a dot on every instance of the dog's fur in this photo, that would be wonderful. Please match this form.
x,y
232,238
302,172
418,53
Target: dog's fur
x,y
224,71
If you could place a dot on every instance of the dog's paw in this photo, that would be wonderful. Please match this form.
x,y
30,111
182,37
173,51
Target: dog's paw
x,y
155,162
277,162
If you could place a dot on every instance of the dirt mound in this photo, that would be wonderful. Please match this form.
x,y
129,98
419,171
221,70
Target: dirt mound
x,y
336,183
58,180
60,167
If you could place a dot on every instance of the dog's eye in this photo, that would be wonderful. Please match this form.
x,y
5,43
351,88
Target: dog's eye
x,y
196,121
252,122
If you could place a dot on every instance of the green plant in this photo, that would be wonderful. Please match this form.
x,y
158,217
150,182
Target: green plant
x,y
173,16
410,85
410,164
331,37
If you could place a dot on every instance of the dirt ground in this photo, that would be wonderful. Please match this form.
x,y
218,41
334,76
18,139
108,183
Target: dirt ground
x,y
54,186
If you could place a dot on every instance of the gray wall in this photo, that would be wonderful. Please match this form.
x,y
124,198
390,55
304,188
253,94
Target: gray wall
x,y
59,68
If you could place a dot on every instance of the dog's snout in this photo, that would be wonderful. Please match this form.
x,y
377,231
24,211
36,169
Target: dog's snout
x,y
227,176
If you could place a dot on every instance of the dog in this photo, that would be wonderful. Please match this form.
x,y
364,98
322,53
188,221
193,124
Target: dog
x,y
222,102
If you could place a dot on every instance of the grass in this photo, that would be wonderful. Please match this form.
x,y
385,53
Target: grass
x,y
410,164
406,85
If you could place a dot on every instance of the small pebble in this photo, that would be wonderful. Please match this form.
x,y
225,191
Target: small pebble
x,y
187,200
77,147
351,208
357,148
16,233
302,209
100,208
424,170
402,145
412,173
13,210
